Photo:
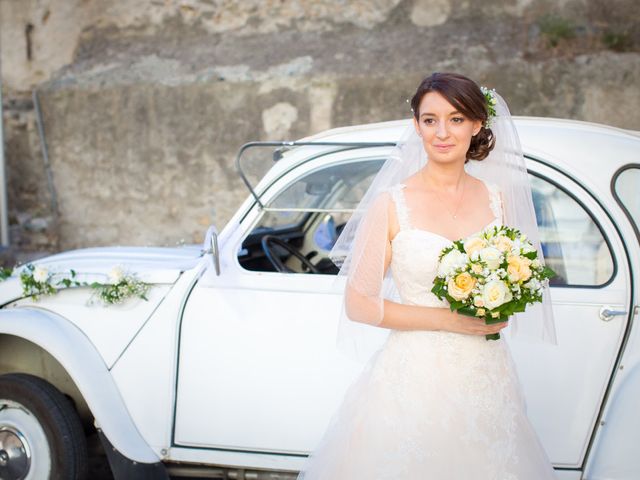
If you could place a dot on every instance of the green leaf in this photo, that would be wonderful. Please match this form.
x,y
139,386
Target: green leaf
x,y
468,311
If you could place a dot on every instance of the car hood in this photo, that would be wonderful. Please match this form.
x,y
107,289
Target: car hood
x,y
155,264
149,264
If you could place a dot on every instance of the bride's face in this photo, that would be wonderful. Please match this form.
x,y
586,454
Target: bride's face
x,y
446,133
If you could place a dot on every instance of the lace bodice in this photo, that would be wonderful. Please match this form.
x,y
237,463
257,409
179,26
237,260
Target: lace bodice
x,y
414,258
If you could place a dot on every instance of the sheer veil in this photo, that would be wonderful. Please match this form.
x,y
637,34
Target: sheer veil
x,y
362,250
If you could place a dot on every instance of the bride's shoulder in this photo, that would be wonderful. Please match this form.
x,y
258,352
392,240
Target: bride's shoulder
x,y
492,187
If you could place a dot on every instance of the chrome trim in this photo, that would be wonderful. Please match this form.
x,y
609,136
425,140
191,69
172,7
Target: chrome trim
x,y
321,210
15,455
283,147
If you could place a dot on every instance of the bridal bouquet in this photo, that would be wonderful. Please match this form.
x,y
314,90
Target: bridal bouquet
x,y
491,274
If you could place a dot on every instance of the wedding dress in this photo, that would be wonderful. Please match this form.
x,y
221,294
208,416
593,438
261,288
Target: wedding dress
x,y
432,405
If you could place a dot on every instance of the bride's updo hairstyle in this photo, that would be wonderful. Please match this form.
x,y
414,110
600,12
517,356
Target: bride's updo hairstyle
x,y
466,97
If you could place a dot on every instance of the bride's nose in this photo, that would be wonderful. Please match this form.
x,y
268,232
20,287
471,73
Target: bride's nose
x,y
441,130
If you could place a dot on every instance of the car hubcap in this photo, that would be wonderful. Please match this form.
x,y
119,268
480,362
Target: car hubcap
x,y
14,454
24,448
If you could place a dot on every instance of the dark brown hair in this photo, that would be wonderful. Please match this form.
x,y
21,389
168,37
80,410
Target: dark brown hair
x,y
466,97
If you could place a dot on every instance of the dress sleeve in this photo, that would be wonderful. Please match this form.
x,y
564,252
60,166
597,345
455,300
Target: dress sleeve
x,y
370,258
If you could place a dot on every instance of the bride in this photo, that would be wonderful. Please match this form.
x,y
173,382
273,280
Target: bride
x,y
438,401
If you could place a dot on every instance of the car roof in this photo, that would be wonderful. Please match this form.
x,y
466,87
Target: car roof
x,y
588,152
592,151
392,129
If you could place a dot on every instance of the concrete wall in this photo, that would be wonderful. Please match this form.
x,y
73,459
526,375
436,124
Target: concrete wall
x,y
145,103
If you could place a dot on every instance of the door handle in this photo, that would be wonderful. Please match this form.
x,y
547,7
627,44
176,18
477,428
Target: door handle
x,y
607,313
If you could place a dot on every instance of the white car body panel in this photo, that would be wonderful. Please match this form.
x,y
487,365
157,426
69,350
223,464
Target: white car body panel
x,y
74,352
109,329
151,358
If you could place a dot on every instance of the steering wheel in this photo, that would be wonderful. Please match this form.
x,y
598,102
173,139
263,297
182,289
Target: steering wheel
x,y
267,245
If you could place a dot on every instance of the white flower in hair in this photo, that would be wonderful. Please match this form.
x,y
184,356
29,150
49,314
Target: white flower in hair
x,y
490,98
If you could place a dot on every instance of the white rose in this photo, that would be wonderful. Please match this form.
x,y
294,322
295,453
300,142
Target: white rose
x,y
495,293
40,274
492,256
116,275
452,260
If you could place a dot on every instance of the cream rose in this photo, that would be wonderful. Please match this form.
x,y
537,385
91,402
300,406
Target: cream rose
x,y
452,260
519,268
40,274
491,256
495,293
460,287
477,301
476,268
503,243
474,244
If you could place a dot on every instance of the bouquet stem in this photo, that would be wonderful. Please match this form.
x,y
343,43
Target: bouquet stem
x,y
492,336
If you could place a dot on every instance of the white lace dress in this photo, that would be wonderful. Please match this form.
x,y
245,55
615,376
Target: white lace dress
x,y
431,405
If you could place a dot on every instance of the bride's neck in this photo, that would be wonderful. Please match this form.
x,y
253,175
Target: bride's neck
x,y
443,177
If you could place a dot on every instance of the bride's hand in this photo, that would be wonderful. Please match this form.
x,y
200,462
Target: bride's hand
x,y
459,323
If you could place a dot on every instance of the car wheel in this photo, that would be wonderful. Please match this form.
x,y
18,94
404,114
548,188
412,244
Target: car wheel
x,y
40,433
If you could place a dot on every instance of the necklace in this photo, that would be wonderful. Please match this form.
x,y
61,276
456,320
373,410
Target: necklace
x,y
455,212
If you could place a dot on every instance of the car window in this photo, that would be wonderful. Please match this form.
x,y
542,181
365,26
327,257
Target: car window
x,y
310,213
627,192
332,188
572,242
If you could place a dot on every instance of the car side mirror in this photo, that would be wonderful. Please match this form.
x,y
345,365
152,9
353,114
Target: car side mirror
x,y
211,248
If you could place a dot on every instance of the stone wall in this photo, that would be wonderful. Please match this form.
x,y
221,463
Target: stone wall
x,y
145,103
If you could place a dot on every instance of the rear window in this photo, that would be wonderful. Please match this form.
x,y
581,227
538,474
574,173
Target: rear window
x,y
626,190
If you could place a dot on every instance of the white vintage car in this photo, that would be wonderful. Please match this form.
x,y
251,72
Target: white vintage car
x,y
230,367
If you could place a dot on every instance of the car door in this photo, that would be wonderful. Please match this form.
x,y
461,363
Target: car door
x,y
258,367
565,385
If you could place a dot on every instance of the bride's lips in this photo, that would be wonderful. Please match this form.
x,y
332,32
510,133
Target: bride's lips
x,y
443,146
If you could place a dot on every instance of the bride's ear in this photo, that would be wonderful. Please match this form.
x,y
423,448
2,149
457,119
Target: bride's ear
x,y
477,127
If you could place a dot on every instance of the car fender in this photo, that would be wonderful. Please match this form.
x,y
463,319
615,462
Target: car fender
x,y
73,350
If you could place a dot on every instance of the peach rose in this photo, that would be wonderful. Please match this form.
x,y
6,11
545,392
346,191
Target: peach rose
x,y
461,285
518,268
476,268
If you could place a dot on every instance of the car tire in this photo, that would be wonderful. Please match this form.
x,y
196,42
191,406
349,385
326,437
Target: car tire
x,y
40,432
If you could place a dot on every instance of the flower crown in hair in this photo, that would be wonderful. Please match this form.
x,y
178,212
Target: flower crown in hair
x,y
490,98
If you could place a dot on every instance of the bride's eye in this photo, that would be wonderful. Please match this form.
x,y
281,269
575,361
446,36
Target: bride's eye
x,y
457,119
429,121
